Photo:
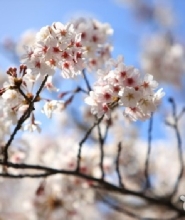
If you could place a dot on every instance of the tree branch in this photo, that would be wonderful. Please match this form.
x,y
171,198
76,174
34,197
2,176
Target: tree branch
x,y
84,139
99,183
179,145
117,165
148,184
22,119
86,80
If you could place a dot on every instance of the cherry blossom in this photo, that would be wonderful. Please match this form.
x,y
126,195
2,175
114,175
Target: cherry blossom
x,y
95,40
164,62
51,106
72,47
124,86
56,46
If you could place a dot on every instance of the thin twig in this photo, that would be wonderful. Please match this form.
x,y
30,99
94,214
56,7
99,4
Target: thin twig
x,y
101,142
84,139
22,93
86,80
83,90
22,119
106,130
181,114
117,208
179,146
148,184
117,165
20,176
180,153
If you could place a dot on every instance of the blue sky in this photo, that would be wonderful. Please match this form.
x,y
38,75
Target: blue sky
x,y
20,15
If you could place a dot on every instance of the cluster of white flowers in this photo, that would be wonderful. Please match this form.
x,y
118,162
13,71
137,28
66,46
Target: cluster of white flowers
x,y
164,59
82,43
16,96
56,46
70,48
122,85
94,38
12,101
160,12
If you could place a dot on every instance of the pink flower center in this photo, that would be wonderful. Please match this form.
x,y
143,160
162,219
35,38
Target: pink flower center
x,y
107,96
130,81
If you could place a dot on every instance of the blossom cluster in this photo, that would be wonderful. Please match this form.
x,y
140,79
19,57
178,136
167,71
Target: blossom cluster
x,y
123,85
167,61
17,94
95,40
82,43
159,12
56,46
70,48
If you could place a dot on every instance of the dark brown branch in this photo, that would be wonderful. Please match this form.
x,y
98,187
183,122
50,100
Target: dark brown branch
x,y
22,119
101,139
84,139
101,142
82,90
106,130
120,208
20,176
22,93
86,80
148,184
179,146
102,184
117,165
